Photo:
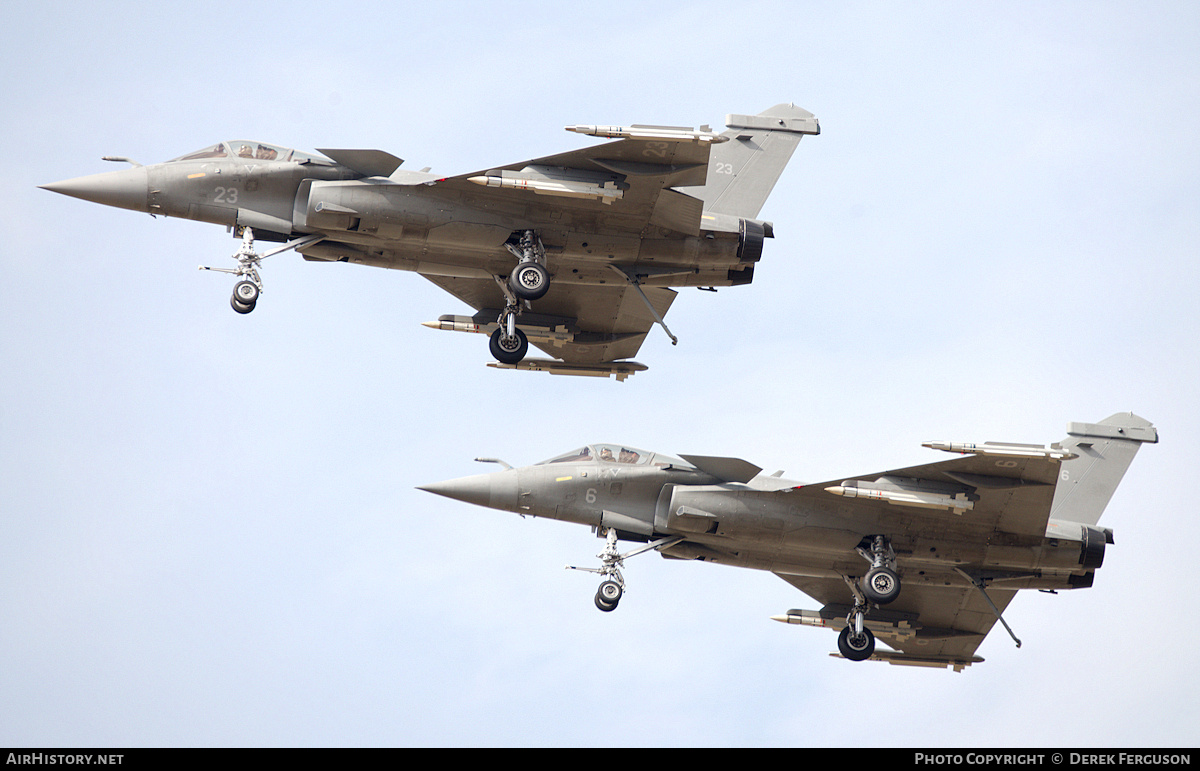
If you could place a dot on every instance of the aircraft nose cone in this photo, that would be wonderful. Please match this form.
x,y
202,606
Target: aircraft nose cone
x,y
495,491
126,189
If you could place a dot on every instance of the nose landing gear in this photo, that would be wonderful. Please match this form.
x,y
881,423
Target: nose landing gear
x,y
613,587
247,290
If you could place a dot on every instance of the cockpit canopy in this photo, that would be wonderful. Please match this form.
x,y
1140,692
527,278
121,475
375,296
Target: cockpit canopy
x,y
617,453
258,151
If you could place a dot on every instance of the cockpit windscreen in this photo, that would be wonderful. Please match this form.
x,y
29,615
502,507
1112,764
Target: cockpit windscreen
x,y
616,453
258,151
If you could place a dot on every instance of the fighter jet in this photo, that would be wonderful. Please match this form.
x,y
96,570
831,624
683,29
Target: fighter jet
x,y
572,252
925,558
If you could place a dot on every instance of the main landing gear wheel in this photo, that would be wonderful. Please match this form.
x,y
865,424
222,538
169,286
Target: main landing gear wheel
x,y
608,595
856,647
529,281
880,585
508,349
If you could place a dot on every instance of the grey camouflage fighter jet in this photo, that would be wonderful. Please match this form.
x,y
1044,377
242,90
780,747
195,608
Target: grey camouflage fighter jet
x,y
925,558
573,252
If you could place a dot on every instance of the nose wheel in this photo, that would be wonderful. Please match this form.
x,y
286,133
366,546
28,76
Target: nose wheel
x,y
608,595
245,296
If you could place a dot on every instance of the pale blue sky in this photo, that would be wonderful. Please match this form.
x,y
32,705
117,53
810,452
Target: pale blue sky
x,y
209,532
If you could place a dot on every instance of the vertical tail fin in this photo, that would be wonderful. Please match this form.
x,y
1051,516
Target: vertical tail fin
x,y
743,171
1105,450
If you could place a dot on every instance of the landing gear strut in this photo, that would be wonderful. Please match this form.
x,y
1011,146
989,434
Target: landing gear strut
x,y
856,642
508,344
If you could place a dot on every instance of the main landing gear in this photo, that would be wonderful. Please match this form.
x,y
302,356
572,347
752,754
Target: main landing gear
x,y
508,344
880,585
247,290
612,588
856,642
527,282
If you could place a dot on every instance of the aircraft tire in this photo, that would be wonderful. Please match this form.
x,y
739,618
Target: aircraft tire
x,y
858,650
505,351
880,585
607,607
240,307
529,281
610,591
246,292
